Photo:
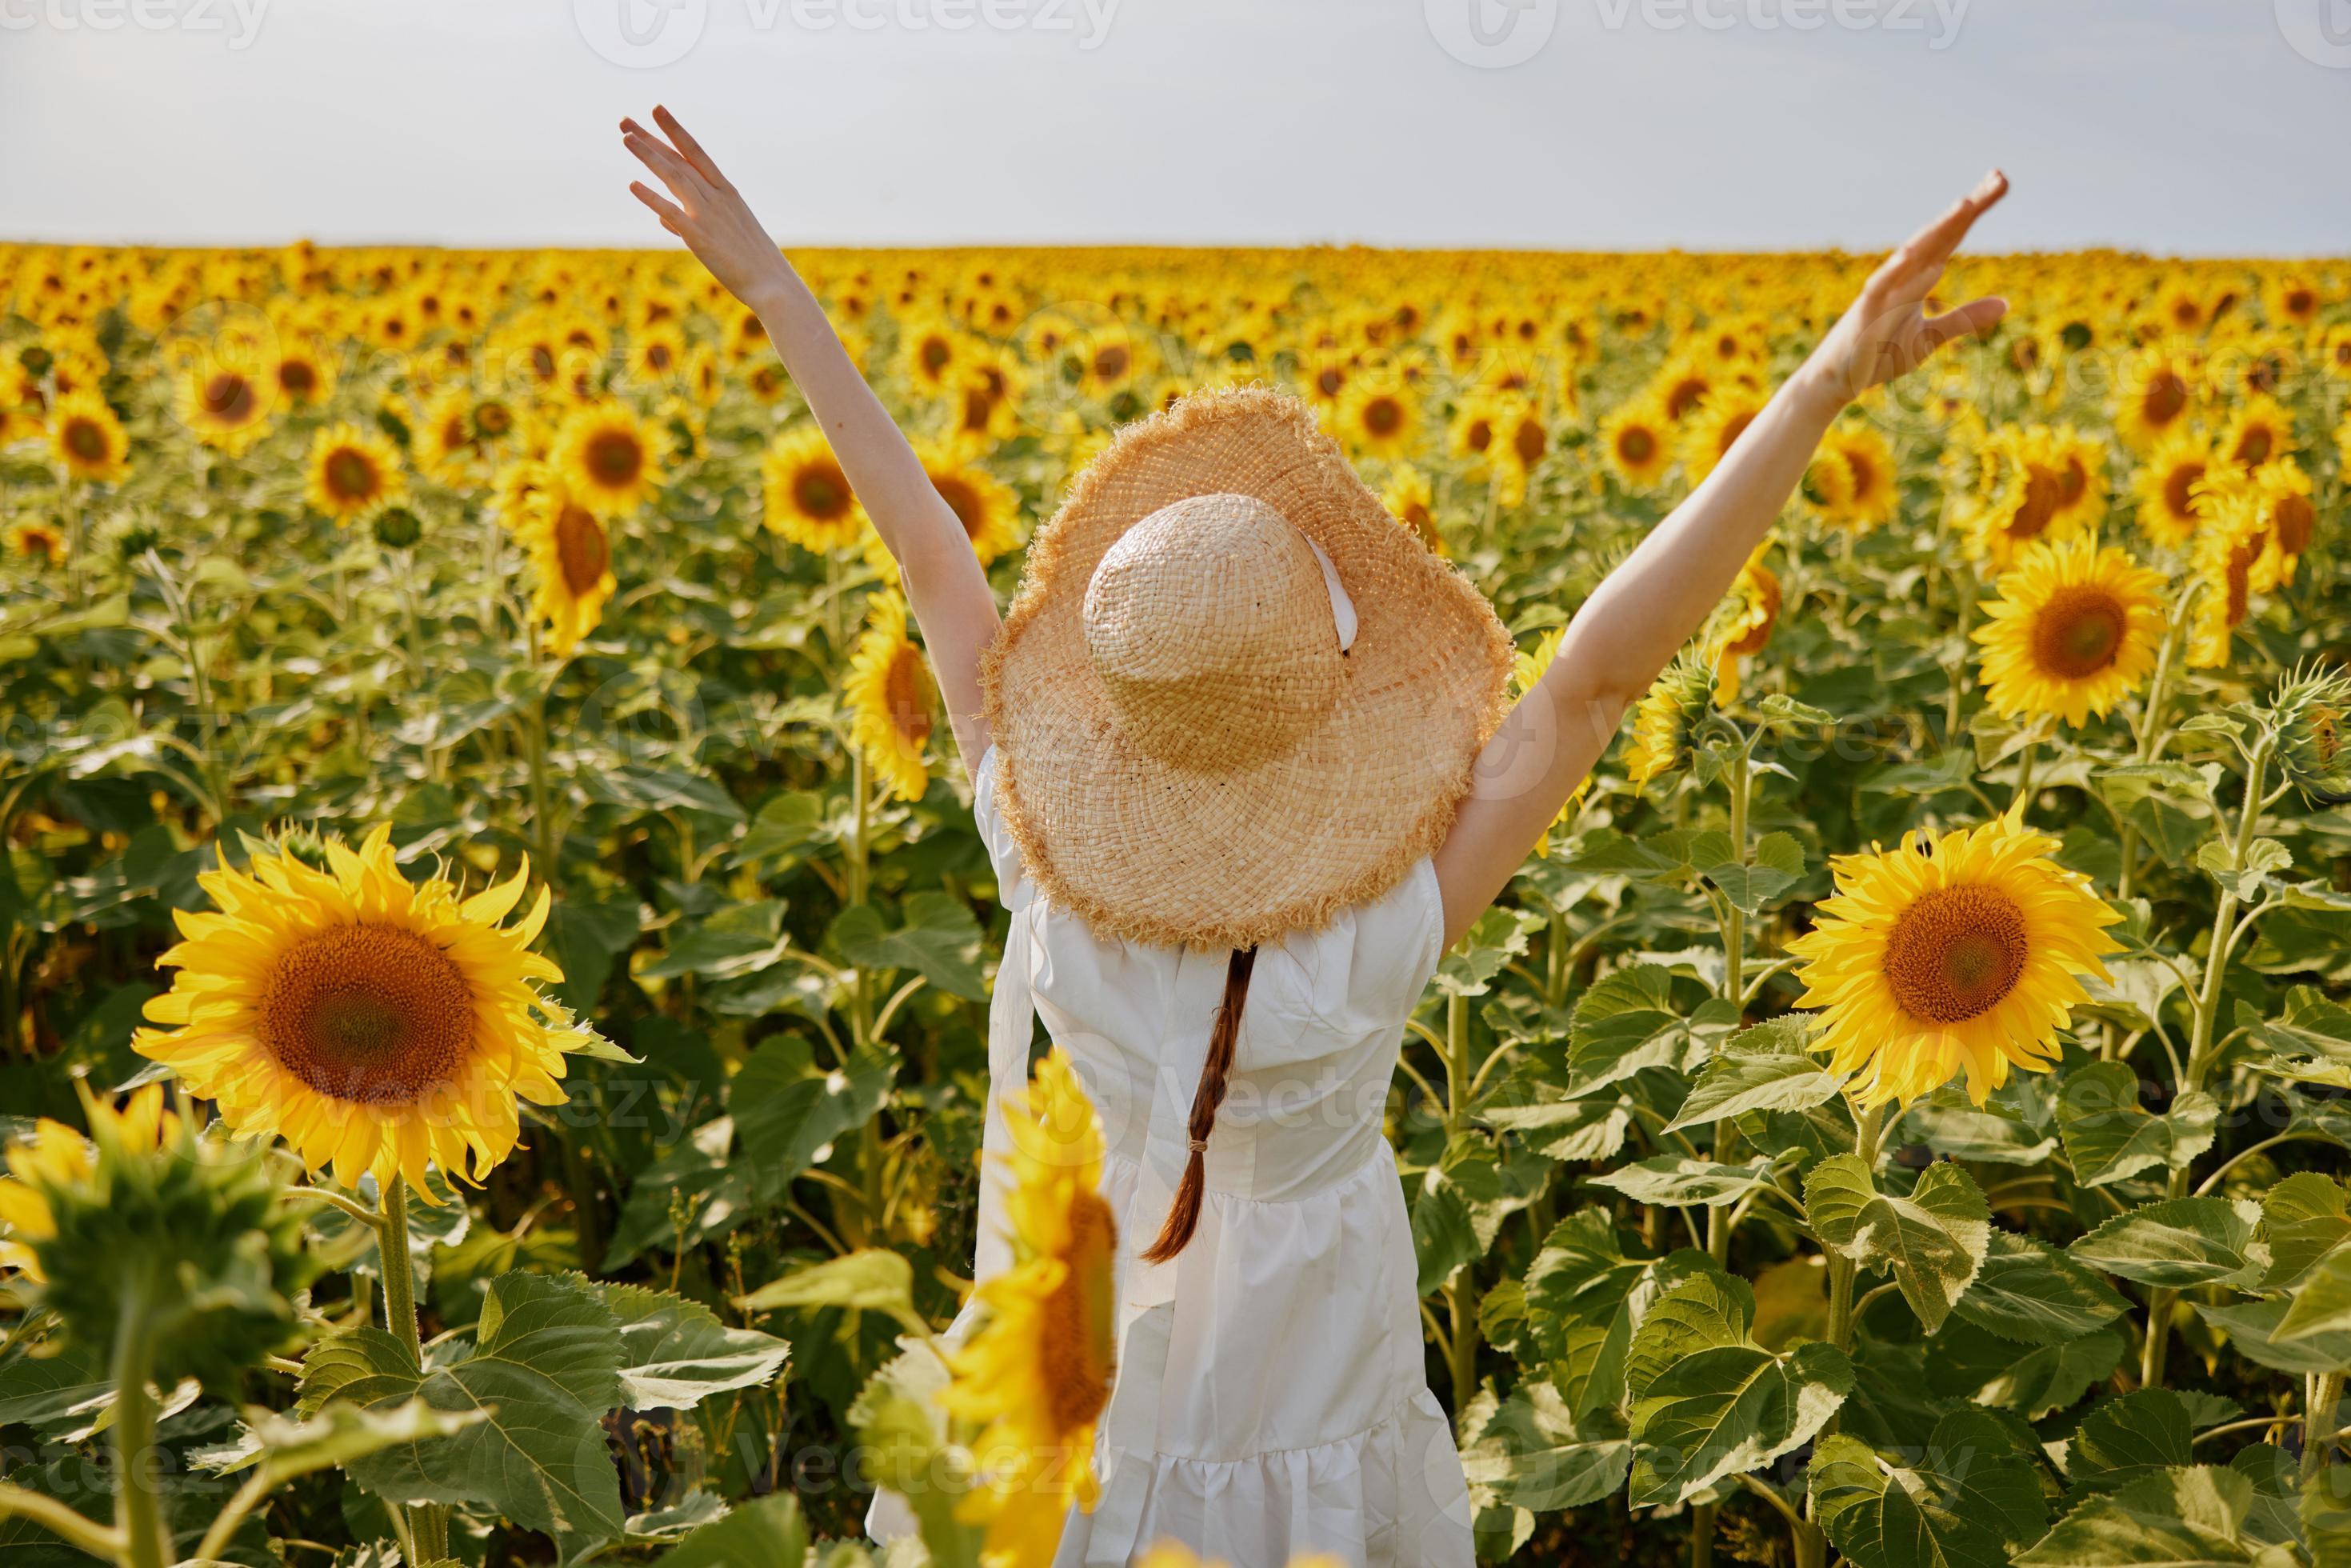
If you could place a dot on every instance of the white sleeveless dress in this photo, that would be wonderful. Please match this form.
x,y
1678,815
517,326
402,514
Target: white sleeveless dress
x,y
1271,1398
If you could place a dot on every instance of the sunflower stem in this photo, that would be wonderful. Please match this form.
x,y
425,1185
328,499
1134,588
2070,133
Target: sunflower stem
x,y
1734,986
1461,1292
137,1499
427,1522
2318,1431
2201,1051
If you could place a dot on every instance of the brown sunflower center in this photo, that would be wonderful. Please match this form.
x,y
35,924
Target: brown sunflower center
x,y
1636,445
228,397
1078,1337
369,1013
962,500
2079,632
1529,441
351,474
1732,429
820,492
910,715
2042,490
615,458
1864,471
2167,395
1955,952
2293,517
1382,416
1110,362
581,547
1684,395
2179,489
85,440
2254,446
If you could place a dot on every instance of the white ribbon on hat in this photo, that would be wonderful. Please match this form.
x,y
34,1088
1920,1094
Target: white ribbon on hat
x,y
1342,609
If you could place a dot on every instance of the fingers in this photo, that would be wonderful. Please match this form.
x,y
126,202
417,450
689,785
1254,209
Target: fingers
x,y
707,166
1975,315
669,214
1933,244
655,155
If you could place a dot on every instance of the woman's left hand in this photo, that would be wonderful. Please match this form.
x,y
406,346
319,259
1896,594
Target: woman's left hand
x,y
1887,332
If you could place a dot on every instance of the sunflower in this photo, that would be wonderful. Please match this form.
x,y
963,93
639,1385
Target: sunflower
x,y
1411,502
305,375
2281,496
2259,433
808,498
984,505
1520,440
87,438
1749,611
931,354
1862,495
1958,952
1666,718
1036,1377
1636,442
2226,562
353,473
1375,418
573,557
225,408
2042,485
38,537
656,354
2169,484
372,1023
54,1155
608,458
448,444
2074,628
1471,433
2292,299
2158,391
1683,386
888,692
1715,426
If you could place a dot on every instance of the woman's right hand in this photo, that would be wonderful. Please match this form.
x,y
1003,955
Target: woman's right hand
x,y
709,215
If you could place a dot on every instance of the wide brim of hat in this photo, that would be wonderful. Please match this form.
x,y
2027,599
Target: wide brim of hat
x,y
1152,852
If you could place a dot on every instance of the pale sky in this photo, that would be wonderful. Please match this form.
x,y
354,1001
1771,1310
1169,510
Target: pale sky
x,y
2174,126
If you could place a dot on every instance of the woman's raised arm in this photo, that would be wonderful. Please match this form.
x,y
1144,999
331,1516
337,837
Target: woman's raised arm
x,y
1649,606
945,585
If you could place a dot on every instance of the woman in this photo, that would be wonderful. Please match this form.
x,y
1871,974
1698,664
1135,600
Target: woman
x,y
1244,770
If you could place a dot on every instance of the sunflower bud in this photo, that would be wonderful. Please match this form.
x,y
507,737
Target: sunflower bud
x,y
197,1236
397,528
36,359
1668,718
2310,713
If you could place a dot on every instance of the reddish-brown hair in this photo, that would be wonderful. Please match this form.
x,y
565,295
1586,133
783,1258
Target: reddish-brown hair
x,y
1184,1214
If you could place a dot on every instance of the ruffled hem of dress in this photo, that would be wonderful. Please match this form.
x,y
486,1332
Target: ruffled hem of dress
x,y
1391,1495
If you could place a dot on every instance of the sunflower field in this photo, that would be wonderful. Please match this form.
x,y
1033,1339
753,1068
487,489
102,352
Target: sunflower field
x,y
494,948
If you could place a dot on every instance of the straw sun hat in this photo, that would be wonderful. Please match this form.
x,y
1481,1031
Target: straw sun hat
x,y
1186,753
